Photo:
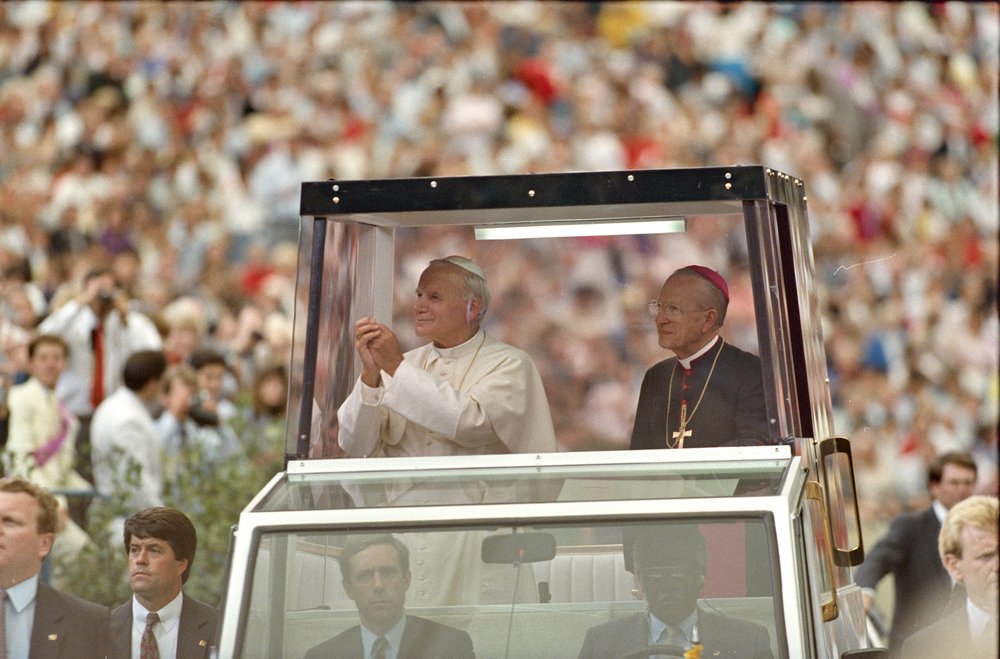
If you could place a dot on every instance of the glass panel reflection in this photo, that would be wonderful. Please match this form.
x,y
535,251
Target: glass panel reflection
x,y
552,591
579,483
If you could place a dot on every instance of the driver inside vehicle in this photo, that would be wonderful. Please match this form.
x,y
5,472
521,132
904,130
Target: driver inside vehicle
x,y
670,564
376,576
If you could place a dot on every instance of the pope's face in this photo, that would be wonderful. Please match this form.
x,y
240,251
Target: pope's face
x,y
685,323
444,312
378,586
976,568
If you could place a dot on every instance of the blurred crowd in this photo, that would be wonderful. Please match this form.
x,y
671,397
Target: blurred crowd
x,y
167,142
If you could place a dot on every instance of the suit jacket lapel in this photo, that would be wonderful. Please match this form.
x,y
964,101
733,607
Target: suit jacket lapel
x,y
45,632
121,628
635,634
192,638
409,645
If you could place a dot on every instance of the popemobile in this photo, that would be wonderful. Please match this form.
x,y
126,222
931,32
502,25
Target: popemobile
x,y
571,551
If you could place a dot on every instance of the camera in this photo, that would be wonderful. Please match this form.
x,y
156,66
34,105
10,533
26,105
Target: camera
x,y
201,416
107,297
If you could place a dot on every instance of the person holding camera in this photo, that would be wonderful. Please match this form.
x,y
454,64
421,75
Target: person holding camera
x,y
186,427
102,332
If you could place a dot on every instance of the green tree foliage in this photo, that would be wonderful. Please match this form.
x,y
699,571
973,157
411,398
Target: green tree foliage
x,y
211,492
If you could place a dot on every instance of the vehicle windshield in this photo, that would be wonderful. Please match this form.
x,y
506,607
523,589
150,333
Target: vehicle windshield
x,y
530,590
618,477
522,555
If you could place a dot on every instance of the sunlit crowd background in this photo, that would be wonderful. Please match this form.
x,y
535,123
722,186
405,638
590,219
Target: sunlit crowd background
x,y
168,141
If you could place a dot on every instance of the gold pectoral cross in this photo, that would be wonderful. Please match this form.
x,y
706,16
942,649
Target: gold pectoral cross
x,y
682,432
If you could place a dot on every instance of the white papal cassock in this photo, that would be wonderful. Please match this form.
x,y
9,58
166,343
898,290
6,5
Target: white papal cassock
x,y
480,397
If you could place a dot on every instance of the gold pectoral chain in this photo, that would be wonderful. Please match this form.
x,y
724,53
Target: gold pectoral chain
x,y
682,431
473,361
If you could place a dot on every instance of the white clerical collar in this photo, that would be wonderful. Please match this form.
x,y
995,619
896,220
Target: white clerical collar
x,y
462,349
686,363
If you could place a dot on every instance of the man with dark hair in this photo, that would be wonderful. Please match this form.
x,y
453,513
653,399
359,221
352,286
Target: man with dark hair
x,y
710,393
124,435
211,370
670,563
160,543
376,573
968,548
909,551
40,621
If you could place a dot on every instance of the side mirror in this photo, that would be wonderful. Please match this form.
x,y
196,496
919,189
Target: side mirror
x,y
516,548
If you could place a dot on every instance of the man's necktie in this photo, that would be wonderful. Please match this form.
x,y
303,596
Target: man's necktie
x,y
672,636
97,386
147,646
3,624
380,648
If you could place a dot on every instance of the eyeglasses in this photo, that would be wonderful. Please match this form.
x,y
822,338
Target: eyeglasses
x,y
671,311
676,573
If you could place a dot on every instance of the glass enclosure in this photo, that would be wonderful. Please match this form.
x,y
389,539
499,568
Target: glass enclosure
x,y
391,482
582,317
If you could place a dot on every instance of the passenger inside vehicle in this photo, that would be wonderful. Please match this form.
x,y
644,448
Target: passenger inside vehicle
x,y
670,563
584,590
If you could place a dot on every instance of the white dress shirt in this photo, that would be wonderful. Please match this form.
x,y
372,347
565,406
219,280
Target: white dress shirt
x,y
165,631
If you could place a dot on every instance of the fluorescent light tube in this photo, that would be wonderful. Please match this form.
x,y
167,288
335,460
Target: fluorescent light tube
x,y
581,228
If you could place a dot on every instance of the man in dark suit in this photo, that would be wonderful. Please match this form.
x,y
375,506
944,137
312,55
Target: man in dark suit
x,y
161,543
60,625
710,393
968,548
670,563
376,575
909,551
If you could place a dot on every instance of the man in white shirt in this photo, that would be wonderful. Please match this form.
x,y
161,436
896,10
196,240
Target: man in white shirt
x,y
124,435
161,543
